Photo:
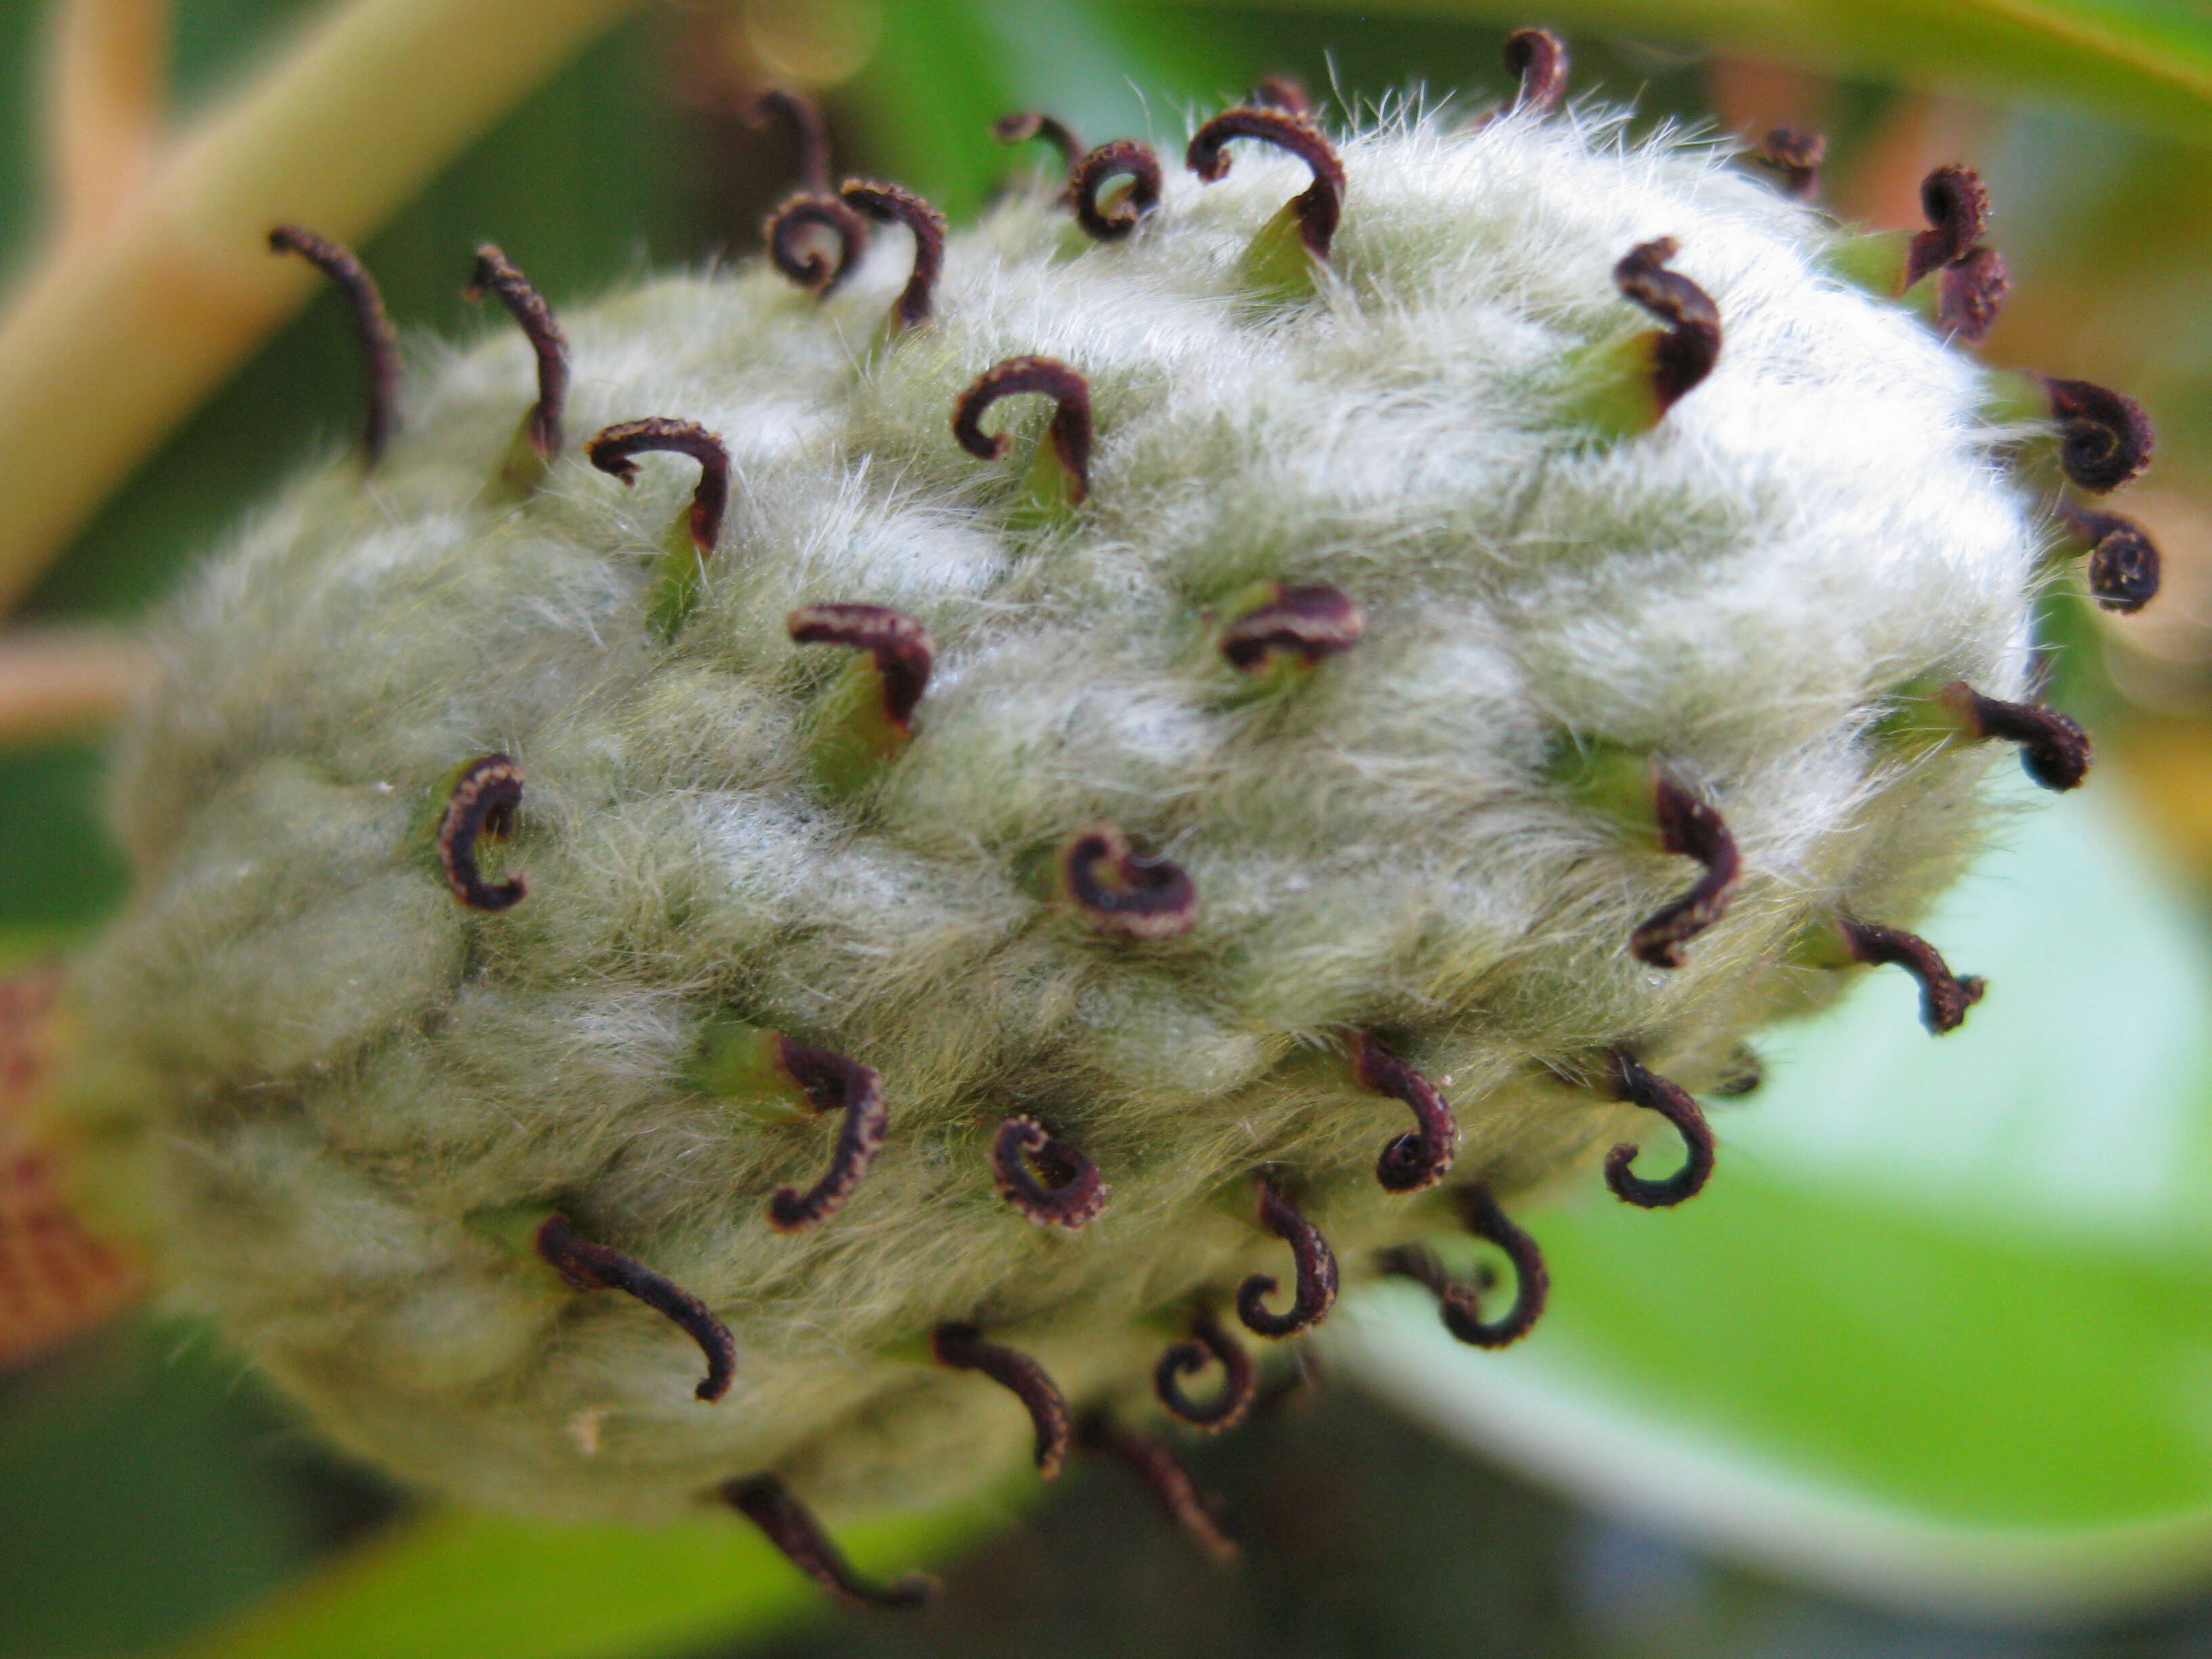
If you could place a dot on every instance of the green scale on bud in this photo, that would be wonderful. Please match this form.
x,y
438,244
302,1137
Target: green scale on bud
x,y
1023,904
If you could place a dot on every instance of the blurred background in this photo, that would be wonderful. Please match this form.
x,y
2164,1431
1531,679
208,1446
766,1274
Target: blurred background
x,y
1930,1373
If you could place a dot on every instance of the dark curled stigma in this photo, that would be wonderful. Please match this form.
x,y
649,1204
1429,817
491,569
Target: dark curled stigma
x,y
962,1348
584,1265
832,1082
792,251
481,807
1313,623
808,132
1049,377
1207,1345
1120,158
2054,750
1692,830
1970,293
1691,344
1460,1305
1745,1074
494,275
890,201
1285,92
1944,996
1640,1087
1540,59
611,450
1795,157
1314,1292
1124,891
1319,206
1958,210
380,346
900,645
2123,562
1168,1481
1049,1180
2105,439
1411,1162
763,1500
1024,124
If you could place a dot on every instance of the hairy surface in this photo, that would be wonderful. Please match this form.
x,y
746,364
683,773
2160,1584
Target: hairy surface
x,y
320,1067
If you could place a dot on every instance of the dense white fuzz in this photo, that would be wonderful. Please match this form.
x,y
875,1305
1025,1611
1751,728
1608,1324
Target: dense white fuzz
x,y
326,1073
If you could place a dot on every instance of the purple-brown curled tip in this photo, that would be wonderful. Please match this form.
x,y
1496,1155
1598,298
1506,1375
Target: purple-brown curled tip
x,y
1310,622
1024,124
610,452
1691,829
1070,431
833,1083
768,1503
1417,1160
1690,345
1314,1290
791,252
380,346
584,1265
900,645
1794,156
1539,58
1044,1177
1640,1087
480,807
1121,889
1970,292
964,1348
1319,206
891,202
1207,1344
809,132
2124,562
494,275
1460,1305
1285,92
2105,439
1958,210
1120,158
1944,997
2053,749
1167,1480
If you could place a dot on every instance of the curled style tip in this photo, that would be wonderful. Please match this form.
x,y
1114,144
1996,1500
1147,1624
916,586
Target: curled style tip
x,y
768,1503
1957,207
2123,562
1207,1345
1460,1305
494,275
1314,1292
1691,829
1120,158
1310,622
1319,207
1044,1177
2053,750
912,307
1944,997
1795,157
964,1348
808,129
1024,124
1633,1083
2104,439
1285,92
1690,343
1168,1481
380,346
793,251
611,451
1417,1160
1539,59
1970,293
832,1082
1070,431
900,645
1124,891
480,807
584,1265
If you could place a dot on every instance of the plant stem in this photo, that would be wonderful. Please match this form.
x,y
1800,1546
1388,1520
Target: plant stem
x,y
105,97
